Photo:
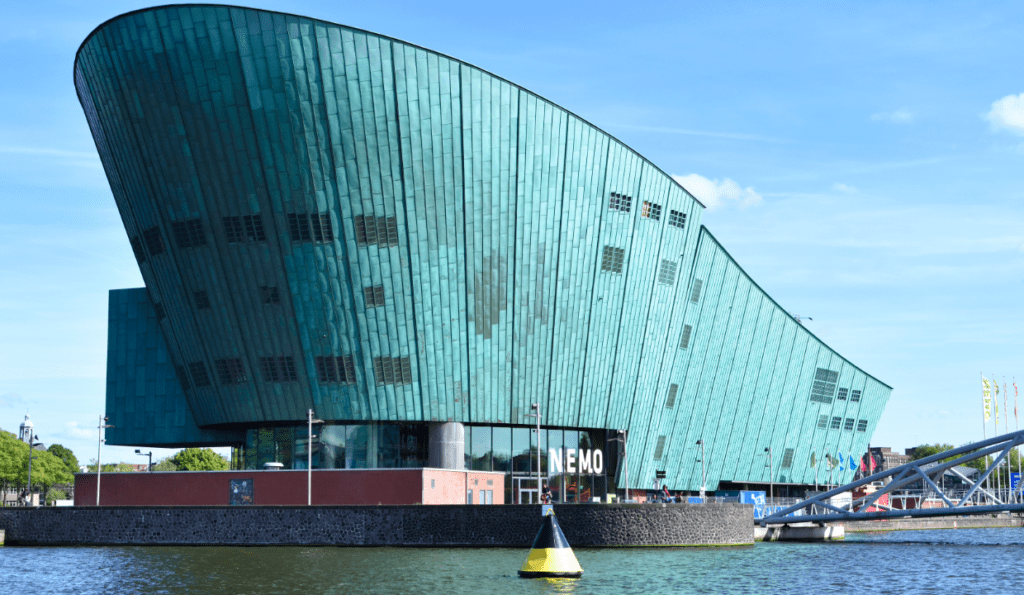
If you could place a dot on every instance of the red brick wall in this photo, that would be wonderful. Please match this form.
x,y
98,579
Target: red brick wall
x,y
351,487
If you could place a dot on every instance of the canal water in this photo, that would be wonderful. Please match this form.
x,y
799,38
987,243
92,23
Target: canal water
x,y
946,562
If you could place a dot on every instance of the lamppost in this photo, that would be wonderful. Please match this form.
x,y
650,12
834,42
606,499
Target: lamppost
x,y
32,444
309,460
703,472
99,451
771,474
149,454
536,413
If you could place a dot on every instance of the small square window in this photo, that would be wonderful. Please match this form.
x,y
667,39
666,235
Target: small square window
x,y
787,458
837,422
189,234
199,375
612,259
202,299
154,241
269,294
336,369
855,396
862,425
822,422
842,394
230,371
254,228
374,296
278,369
677,219
651,210
695,293
667,272
848,424
392,370
684,341
620,202
233,230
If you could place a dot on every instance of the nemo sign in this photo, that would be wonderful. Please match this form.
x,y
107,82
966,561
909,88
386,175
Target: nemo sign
x,y
572,460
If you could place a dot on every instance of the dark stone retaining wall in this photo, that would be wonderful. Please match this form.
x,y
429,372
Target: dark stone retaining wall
x,y
601,525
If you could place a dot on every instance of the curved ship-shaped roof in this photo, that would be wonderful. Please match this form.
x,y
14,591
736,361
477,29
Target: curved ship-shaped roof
x,y
332,219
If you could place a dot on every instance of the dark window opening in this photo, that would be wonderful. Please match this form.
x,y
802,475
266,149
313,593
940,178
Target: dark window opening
x,y
182,375
374,296
278,369
233,230
837,422
140,254
269,294
677,219
336,368
620,202
862,425
660,448
188,234
202,299
612,259
695,293
855,396
848,424
392,370
254,228
667,273
309,227
684,341
842,394
670,402
376,230
230,371
154,241
199,375
651,210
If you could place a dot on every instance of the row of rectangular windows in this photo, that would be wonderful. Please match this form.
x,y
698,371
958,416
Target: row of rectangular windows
x,y
612,260
330,369
302,227
650,210
838,423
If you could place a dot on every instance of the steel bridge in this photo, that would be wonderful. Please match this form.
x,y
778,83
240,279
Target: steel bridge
x,y
977,500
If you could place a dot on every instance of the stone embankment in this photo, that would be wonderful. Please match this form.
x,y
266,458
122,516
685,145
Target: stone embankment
x,y
964,522
606,525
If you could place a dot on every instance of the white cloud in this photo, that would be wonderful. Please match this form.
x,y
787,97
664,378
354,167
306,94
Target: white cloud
x,y
1007,113
900,116
73,431
844,188
715,194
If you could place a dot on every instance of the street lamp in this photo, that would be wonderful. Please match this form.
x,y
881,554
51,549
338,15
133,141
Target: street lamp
x,y
625,458
32,444
149,454
309,461
703,473
535,407
771,474
99,451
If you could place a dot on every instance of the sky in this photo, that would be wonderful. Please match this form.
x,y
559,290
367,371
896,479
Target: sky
x,y
863,161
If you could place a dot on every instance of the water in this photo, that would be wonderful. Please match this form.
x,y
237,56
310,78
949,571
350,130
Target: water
x,y
947,562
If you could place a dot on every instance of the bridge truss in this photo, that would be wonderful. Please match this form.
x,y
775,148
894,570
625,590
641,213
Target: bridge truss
x,y
819,509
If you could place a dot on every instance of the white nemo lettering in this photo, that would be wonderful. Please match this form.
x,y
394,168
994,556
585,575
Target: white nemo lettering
x,y
572,460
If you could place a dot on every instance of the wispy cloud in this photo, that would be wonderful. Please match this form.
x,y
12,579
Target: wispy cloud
x,y
1007,114
11,400
844,188
73,431
715,194
900,116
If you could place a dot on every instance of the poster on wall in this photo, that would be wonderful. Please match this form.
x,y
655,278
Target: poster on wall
x,y
241,492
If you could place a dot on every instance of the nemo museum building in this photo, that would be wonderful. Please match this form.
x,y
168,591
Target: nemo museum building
x,y
426,255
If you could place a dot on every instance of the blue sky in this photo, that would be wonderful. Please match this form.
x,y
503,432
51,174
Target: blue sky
x,y
864,162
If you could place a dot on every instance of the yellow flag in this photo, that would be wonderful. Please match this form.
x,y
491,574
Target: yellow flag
x,y
986,393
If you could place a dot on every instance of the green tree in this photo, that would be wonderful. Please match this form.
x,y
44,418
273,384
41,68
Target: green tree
x,y
199,459
63,453
164,464
110,467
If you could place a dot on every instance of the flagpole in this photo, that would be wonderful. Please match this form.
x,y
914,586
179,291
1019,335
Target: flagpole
x,y
1016,426
985,398
995,403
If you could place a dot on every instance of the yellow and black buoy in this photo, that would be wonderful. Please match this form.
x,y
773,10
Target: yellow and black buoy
x,y
551,554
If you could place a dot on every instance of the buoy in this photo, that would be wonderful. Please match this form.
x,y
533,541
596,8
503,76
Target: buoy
x,y
551,554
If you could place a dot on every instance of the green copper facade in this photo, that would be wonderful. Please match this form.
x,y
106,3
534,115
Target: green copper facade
x,y
334,220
